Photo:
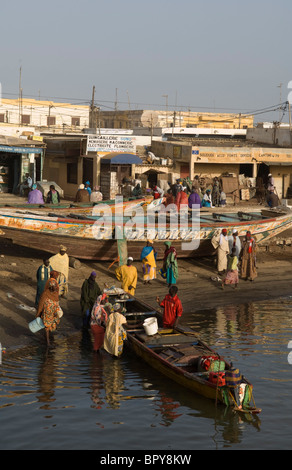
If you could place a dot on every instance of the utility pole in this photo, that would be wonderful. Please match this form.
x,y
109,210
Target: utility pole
x,y
92,119
280,86
130,113
20,96
166,101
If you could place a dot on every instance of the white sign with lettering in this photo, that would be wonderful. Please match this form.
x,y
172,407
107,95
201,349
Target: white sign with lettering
x,y
111,143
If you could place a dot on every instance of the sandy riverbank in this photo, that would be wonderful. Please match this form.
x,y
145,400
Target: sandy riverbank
x,y
197,291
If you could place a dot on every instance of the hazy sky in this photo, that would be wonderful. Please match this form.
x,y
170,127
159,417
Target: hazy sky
x,y
226,55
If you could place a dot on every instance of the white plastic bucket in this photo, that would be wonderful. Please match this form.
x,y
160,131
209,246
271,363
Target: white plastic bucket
x,y
36,325
150,326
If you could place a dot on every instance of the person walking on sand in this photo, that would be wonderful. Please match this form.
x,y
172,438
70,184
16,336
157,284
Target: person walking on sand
x,y
248,258
49,308
148,258
128,276
169,269
172,308
232,269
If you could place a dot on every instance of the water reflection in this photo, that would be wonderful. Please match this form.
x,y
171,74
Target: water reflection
x,y
102,393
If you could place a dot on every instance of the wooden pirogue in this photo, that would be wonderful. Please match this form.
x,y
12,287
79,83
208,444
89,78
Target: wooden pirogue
x,y
180,355
94,237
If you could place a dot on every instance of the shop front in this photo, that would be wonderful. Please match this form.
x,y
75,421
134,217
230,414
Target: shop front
x,y
15,163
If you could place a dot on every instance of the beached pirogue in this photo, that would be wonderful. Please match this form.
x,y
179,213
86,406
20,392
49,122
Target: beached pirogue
x,y
180,355
95,236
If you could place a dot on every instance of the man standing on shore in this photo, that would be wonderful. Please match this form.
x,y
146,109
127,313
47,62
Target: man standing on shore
x,y
60,263
248,260
221,244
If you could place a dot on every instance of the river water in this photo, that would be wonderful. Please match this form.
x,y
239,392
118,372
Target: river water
x,y
70,398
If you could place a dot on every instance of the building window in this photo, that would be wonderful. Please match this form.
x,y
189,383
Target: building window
x,y
72,172
25,119
51,120
2,117
75,121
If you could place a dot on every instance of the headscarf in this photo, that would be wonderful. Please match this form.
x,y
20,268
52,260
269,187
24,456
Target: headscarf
x,y
98,313
34,186
81,186
170,249
54,274
51,292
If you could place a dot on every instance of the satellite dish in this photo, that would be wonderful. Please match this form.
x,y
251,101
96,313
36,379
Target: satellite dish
x,y
150,119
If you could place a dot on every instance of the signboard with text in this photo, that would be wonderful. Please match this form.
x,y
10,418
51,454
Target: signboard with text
x,y
111,143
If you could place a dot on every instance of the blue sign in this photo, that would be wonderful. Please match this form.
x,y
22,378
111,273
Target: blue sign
x,y
11,149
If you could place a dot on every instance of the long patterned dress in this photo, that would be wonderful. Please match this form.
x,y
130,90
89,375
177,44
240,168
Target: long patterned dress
x,y
248,261
50,316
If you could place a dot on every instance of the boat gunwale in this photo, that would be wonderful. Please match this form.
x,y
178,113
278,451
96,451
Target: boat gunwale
x,y
73,221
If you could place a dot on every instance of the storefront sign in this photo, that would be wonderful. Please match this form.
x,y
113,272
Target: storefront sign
x,y
111,143
10,149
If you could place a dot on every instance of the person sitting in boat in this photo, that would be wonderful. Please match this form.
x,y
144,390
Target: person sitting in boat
x,y
128,276
115,334
53,196
96,195
207,199
82,194
172,308
35,196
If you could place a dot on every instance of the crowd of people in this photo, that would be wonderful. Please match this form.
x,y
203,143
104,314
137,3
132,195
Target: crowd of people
x,y
105,320
183,191
235,259
234,256
192,193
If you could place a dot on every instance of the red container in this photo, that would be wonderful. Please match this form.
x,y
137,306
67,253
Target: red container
x,y
214,379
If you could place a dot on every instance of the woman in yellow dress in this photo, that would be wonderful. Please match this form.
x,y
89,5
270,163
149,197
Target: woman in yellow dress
x,y
148,258
128,276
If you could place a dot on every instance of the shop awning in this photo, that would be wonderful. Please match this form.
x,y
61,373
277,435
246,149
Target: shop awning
x,y
12,149
121,159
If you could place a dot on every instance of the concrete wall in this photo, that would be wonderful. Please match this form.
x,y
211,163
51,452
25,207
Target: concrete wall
x,y
277,137
38,111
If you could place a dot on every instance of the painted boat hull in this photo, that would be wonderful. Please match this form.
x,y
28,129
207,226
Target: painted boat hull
x,y
48,233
